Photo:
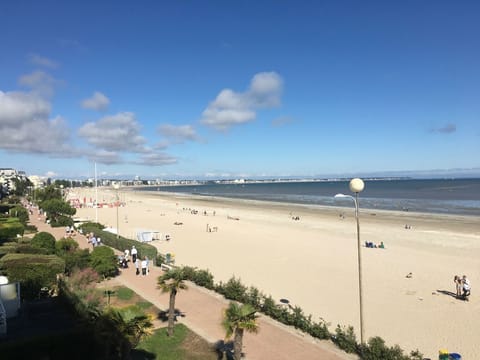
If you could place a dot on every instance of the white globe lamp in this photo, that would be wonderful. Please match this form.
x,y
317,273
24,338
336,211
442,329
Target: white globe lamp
x,y
357,185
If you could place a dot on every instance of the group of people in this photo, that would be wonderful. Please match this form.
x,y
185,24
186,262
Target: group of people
x,y
462,285
70,231
140,265
93,240
370,244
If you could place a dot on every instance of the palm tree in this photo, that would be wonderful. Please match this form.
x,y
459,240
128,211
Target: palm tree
x,y
118,335
172,281
236,320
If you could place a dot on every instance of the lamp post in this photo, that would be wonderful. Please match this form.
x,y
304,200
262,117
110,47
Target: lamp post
x,y
116,186
356,186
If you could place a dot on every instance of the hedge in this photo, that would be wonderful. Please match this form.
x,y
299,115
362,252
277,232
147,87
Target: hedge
x,y
10,228
121,243
32,271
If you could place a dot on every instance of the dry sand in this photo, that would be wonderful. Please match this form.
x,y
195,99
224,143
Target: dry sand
x,y
313,261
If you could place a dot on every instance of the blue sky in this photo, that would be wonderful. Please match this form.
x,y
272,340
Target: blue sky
x,y
212,89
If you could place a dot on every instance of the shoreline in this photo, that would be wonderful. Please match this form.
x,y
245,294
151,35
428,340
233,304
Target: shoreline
x,y
313,262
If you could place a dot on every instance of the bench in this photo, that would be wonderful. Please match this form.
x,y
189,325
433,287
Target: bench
x,y
165,267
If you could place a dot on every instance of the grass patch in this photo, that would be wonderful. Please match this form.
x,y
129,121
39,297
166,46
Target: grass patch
x,y
144,305
124,293
177,347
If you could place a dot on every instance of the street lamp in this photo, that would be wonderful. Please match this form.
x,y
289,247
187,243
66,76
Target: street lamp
x,y
116,186
356,186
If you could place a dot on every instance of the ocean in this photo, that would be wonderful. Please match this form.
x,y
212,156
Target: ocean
x,y
445,196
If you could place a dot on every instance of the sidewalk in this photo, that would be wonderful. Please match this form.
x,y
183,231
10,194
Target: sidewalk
x,y
203,315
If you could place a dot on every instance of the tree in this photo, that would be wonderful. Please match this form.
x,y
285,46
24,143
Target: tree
x,y
104,261
238,319
21,186
119,336
57,209
172,281
48,193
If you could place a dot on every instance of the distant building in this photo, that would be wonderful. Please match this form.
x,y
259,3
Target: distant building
x,y
6,179
37,181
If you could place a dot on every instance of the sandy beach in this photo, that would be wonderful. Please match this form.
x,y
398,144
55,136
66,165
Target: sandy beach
x,y
313,261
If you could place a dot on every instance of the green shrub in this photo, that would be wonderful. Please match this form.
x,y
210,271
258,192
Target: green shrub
x,y
233,289
270,307
160,260
7,249
10,228
32,271
104,261
87,227
204,278
65,245
77,259
30,229
254,297
30,249
44,240
200,277
21,213
320,330
345,339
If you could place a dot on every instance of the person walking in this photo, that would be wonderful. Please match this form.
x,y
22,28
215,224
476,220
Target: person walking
x,y
148,263
134,253
144,267
137,265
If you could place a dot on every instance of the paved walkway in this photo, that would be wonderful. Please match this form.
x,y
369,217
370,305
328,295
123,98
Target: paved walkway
x,y
203,315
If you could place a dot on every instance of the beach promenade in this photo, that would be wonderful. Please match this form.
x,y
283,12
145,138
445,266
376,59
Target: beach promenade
x,y
202,310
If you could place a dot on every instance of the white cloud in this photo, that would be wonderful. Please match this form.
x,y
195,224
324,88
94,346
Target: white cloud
x,y
41,83
178,134
36,59
105,157
232,108
98,102
25,126
118,132
50,174
156,159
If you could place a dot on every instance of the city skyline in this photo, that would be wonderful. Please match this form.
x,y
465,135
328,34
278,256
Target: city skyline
x,y
240,90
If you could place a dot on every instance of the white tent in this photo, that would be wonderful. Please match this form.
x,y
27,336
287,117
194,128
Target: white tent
x,y
147,235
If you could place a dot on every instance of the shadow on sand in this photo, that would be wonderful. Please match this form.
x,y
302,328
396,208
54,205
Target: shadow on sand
x,y
449,293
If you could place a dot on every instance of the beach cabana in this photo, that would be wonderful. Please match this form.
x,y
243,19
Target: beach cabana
x,y
147,235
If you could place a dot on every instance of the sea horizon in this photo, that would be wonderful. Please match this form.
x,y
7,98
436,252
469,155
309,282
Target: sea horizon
x,y
441,196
